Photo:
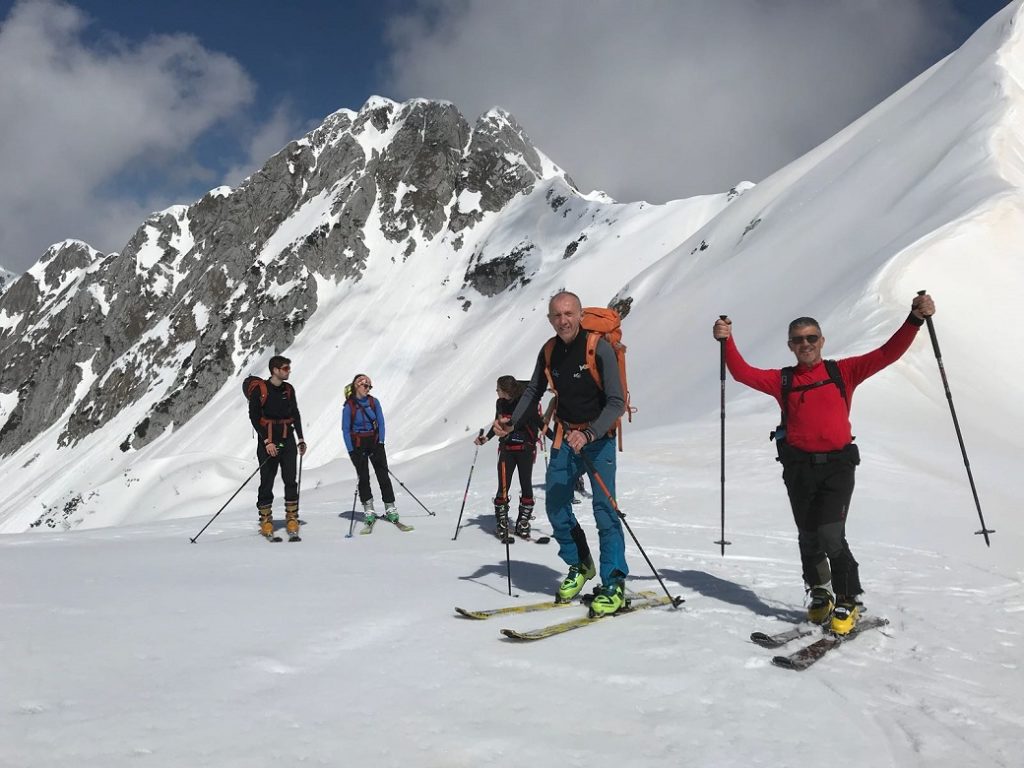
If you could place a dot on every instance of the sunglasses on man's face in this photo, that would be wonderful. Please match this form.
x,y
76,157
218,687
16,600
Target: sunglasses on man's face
x,y
810,338
366,384
284,368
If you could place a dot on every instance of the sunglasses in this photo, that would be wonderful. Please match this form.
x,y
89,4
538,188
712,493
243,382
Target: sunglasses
x,y
366,384
284,367
811,338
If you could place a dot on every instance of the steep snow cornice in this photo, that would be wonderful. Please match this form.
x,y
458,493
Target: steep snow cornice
x,y
1008,138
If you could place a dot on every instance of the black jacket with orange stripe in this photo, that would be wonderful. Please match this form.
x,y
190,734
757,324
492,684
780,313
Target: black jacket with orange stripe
x,y
277,419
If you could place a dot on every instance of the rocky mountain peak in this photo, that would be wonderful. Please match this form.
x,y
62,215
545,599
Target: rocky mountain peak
x,y
200,290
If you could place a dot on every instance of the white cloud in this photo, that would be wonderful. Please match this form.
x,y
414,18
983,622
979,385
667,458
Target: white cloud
x,y
75,114
661,100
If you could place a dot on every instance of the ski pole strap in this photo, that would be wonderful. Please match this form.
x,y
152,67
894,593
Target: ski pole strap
x,y
561,427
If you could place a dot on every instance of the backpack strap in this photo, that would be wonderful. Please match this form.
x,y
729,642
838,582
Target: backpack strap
x,y
591,358
833,373
352,405
834,377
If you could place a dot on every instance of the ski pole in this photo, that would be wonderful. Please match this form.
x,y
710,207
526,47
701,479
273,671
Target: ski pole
x,y
409,492
466,494
352,517
250,477
721,375
985,531
597,478
508,535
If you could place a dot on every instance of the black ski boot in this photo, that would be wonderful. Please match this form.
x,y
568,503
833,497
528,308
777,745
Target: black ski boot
x,y
525,515
501,521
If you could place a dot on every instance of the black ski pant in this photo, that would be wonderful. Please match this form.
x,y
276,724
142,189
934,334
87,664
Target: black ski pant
x,y
362,458
286,459
820,487
509,462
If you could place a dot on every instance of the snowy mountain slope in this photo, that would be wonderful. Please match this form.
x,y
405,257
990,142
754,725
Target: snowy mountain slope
x,y
919,193
128,644
439,263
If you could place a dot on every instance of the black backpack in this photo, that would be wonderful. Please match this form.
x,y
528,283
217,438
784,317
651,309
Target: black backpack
x,y
834,377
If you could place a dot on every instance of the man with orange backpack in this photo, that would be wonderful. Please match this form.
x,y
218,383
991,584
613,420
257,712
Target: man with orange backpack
x,y
275,417
583,369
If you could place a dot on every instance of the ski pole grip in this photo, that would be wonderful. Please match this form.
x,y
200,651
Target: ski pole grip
x,y
721,356
931,331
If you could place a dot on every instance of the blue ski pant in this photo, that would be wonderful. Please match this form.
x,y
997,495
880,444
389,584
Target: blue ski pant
x,y
564,467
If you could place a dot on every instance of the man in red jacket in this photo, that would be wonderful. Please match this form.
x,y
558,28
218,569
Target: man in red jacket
x,y
817,452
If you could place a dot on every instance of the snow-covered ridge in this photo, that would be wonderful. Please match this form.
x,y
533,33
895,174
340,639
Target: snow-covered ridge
x,y
427,260
399,204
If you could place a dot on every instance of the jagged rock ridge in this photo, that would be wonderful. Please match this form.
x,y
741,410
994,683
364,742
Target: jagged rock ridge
x,y
84,335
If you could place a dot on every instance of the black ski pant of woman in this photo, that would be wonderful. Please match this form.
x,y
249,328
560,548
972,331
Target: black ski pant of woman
x,y
362,458
820,490
508,463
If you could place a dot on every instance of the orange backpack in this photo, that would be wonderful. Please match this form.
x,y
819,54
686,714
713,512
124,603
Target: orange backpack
x,y
603,323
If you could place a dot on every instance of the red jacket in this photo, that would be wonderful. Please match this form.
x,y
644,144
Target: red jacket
x,y
818,420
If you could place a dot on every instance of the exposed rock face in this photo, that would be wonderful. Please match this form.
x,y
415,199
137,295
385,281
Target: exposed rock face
x,y
6,279
200,290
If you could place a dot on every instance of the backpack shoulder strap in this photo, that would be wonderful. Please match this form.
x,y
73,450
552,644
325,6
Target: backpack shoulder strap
x,y
833,373
787,387
549,348
591,357
368,414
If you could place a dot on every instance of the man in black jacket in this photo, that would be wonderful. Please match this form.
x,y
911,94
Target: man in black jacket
x,y
584,426
274,414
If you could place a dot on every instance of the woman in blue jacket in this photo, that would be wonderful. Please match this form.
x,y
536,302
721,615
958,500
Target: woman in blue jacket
x,y
362,425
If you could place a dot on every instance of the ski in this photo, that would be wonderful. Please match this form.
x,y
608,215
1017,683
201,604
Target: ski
x,y
538,540
368,527
585,621
529,607
808,655
779,640
294,538
272,538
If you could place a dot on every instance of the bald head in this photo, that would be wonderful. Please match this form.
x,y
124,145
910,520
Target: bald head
x,y
564,313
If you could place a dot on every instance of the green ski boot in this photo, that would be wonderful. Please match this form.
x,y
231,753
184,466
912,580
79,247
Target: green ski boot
x,y
609,599
579,575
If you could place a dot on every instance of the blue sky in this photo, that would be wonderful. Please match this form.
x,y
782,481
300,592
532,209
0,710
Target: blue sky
x,y
110,110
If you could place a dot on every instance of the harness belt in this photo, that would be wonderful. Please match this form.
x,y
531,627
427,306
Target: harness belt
x,y
269,424
789,454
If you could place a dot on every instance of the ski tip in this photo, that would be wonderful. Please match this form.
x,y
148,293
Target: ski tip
x,y
512,634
